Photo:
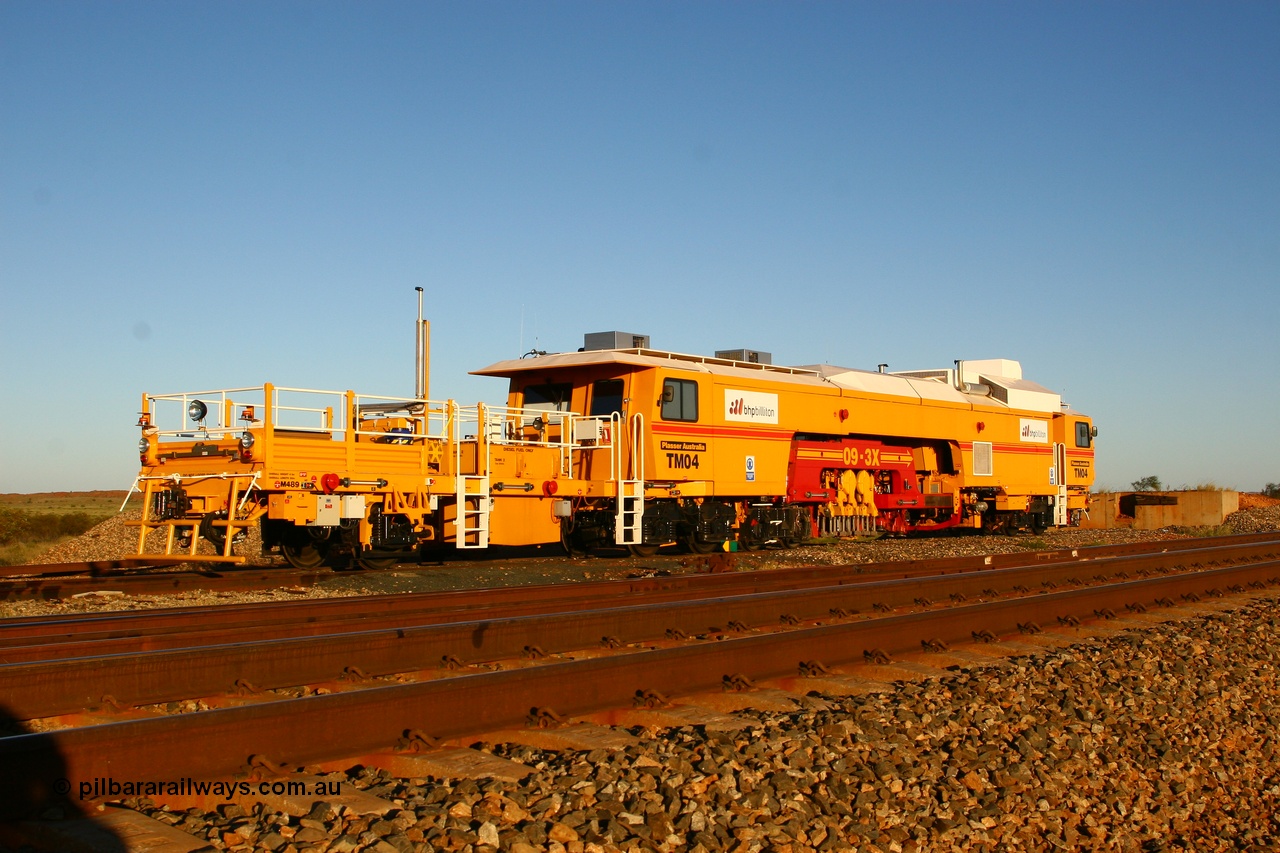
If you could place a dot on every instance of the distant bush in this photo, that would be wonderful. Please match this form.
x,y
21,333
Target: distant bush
x,y
19,526
1271,490
1147,484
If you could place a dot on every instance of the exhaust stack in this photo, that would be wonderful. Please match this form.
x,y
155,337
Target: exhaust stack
x,y
423,369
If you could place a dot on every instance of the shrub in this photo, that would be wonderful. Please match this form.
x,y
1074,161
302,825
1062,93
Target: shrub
x,y
19,526
1147,484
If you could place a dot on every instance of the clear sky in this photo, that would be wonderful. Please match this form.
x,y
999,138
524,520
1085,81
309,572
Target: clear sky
x,y
212,195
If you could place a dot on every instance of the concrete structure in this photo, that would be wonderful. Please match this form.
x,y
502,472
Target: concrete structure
x,y
1154,510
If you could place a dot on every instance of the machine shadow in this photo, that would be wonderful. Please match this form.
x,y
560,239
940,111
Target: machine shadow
x,y
38,807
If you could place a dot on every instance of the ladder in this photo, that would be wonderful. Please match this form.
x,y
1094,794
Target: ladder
x,y
472,495
1061,517
629,513
472,525
629,509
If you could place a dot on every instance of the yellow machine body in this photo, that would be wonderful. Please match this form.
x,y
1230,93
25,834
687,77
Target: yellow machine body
x,y
631,447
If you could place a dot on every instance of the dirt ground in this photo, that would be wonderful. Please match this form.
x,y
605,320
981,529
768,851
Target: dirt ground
x,y
1253,500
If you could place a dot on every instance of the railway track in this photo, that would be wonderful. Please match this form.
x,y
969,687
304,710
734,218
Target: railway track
x,y
143,576
380,692
162,575
73,635
399,644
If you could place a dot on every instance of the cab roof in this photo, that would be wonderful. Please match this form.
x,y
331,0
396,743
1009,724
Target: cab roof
x,y
1000,391
642,358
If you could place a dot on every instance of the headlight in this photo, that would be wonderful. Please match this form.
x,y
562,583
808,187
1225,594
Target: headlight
x,y
246,440
197,410
143,445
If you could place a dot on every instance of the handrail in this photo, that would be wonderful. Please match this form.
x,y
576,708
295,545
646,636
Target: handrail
x,y
296,410
637,447
275,411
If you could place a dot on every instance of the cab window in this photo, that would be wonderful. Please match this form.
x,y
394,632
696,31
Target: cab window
x,y
606,398
679,400
1084,437
551,398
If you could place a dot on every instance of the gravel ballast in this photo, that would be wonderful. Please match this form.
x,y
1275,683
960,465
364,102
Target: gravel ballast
x,y
1159,738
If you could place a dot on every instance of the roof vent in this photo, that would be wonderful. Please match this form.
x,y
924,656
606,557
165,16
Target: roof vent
x,y
614,340
751,356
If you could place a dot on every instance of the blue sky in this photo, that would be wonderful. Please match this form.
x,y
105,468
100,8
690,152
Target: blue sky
x,y
199,195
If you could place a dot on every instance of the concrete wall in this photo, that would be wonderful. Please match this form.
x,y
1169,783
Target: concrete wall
x,y
1104,513
1153,510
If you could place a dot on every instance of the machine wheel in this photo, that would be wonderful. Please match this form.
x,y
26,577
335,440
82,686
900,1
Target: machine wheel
x,y
376,561
995,525
305,556
571,545
303,552
642,550
747,539
699,547
217,536
801,529
1037,523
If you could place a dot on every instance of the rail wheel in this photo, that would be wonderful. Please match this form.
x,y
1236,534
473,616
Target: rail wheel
x,y
572,546
303,552
217,536
749,538
1037,522
376,561
642,550
699,547
801,527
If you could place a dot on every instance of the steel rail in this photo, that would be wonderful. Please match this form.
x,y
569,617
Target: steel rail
x,y
47,630
161,583
291,733
90,567
898,591
55,687
307,623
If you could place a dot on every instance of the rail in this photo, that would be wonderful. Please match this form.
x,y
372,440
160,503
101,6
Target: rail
x,y
210,744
